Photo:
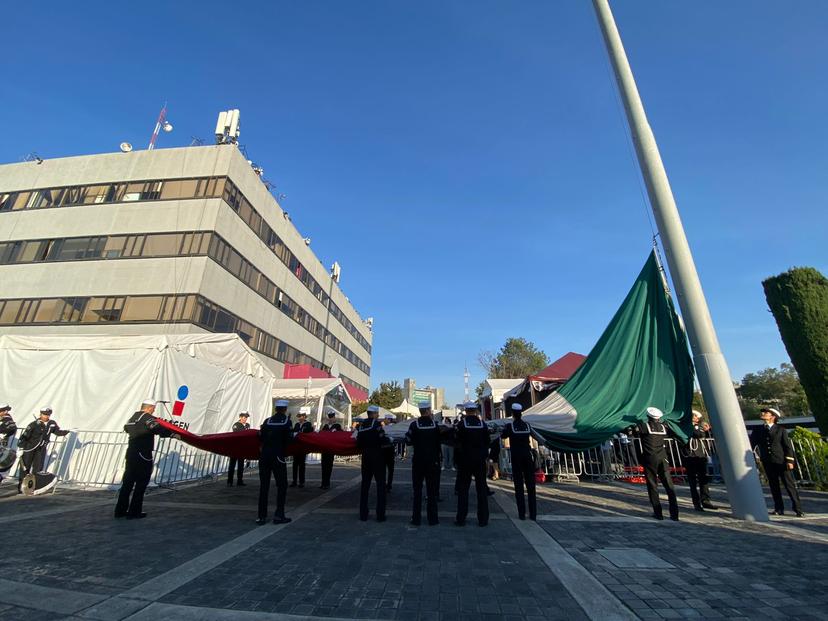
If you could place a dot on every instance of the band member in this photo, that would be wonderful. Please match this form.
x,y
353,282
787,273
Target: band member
x,y
274,436
472,446
7,430
142,427
518,432
33,442
371,439
238,464
389,452
302,426
778,460
695,460
328,458
652,434
424,436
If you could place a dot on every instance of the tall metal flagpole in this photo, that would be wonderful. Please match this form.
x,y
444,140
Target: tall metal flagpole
x,y
737,460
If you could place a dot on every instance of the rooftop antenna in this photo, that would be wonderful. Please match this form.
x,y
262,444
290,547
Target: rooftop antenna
x,y
466,382
161,123
227,127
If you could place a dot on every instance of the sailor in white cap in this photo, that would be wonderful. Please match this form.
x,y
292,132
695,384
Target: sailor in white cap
x,y
303,425
424,435
389,453
778,460
237,464
274,437
34,440
142,427
370,439
328,458
695,461
472,446
652,433
7,430
518,433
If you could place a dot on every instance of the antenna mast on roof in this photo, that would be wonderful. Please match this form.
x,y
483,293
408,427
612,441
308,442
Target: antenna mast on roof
x,y
227,127
162,123
466,382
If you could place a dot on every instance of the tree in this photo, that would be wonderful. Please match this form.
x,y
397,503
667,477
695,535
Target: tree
x,y
517,358
798,300
389,395
480,388
779,388
358,407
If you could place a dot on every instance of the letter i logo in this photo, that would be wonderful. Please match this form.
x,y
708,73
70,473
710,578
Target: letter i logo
x,y
178,406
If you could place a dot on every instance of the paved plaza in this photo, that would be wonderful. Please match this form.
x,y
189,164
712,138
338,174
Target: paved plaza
x,y
593,554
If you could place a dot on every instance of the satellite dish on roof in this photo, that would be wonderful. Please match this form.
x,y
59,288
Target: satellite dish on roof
x,y
126,147
167,126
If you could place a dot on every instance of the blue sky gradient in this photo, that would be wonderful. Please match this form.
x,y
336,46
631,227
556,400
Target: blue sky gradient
x,y
467,162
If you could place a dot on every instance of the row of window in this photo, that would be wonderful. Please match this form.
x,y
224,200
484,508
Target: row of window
x,y
157,190
170,245
152,308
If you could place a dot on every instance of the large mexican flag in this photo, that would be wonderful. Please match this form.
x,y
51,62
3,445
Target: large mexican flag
x,y
641,360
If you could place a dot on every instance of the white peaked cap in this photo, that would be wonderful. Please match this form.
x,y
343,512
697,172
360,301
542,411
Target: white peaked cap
x,y
654,413
696,413
517,407
305,409
244,413
5,406
148,402
373,408
45,409
424,405
471,405
773,411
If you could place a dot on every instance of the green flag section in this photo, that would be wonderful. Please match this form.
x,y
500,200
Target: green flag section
x,y
641,360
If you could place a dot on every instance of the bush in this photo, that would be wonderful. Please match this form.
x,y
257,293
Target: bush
x,y
811,456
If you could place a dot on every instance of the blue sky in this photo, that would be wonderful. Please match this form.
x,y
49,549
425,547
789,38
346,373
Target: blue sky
x,y
467,162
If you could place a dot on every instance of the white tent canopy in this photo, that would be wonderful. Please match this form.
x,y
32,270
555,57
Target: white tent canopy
x,y
406,408
497,388
97,382
317,393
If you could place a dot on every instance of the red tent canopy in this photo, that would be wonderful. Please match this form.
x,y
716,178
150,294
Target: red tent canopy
x,y
560,370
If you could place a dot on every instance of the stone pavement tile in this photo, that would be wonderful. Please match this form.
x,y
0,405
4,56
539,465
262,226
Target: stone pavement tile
x,y
16,613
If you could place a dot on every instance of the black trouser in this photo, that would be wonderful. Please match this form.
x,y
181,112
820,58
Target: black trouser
x,y
390,456
430,473
237,464
698,479
523,473
465,472
299,468
278,468
372,468
656,470
775,472
327,468
137,474
32,461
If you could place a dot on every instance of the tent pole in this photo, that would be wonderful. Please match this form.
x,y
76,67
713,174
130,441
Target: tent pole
x,y
737,460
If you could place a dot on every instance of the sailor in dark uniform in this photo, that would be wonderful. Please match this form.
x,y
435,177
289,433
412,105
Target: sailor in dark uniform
x,y
274,436
518,432
328,458
695,461
303,425
389,453
142,427
371,439
472,444
7,430
236,463
652,434
424,436
778,460
33,442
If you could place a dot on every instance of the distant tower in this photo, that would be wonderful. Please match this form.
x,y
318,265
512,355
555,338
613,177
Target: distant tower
x,y
466,381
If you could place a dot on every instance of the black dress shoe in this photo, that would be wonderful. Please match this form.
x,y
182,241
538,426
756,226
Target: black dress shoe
x,y
241,484
133,516
674,518
459,522
521,517
709,505
120,515
482,523
380,518
800,514
281,519
433,523
229,483
363,519
415,522
699,508
656,516
261,521
292,484
534,518
777,512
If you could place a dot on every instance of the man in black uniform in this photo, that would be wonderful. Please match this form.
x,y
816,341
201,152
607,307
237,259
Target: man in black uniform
x,y
695,461
652,434
370,439
142,427
472,446
518,432
274,436
33,442
236,463
328,458
424,436
7,430
302,426
777,456
389,452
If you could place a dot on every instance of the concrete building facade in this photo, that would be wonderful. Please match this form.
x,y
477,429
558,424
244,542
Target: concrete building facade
x,y
414,395
169,241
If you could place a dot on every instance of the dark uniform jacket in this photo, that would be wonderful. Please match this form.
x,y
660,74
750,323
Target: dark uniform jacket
x,y
774,444
331,427
275,435
695,446
371,439
424,435
142,429
653,434
472,440
38,433
7,427
306,427
518,433
240,426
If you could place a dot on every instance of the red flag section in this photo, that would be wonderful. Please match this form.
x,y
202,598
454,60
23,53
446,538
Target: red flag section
x,y
245,444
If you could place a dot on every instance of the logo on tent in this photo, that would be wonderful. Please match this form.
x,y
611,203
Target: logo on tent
x,y
178,406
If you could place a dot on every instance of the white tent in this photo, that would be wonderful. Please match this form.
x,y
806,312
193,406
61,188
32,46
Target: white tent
x,y
406,408
496,388
97,382
317,393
